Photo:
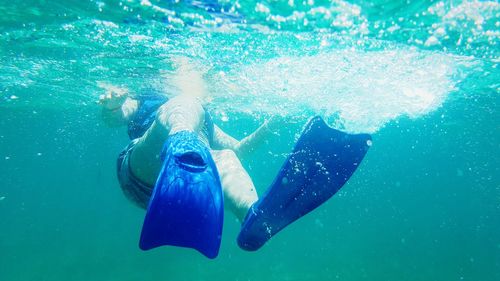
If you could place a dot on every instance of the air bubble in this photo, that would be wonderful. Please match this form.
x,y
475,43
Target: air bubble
x,y
284,180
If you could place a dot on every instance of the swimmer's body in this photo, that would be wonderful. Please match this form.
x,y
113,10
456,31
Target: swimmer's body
x,y
184,112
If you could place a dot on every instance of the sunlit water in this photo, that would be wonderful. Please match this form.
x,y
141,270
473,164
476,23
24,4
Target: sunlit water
x,y
421,77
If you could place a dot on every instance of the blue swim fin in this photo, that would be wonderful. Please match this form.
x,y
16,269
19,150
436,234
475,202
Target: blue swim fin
x,y
186,206
321,163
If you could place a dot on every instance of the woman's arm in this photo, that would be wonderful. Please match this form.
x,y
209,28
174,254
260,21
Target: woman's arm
x,y
117,107
120,115
245,146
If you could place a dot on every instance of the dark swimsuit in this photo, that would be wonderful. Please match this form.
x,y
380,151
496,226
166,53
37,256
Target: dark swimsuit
x,y
149,101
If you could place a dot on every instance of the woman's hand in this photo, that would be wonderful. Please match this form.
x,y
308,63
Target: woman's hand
x,y
114,96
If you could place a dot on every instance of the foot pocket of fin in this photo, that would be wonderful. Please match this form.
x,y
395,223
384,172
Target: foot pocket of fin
x,y
186,206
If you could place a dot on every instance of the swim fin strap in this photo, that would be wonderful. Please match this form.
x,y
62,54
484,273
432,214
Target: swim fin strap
x,y
320,164
186,206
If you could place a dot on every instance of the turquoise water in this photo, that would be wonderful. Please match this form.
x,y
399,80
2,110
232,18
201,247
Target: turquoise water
x,y
421,77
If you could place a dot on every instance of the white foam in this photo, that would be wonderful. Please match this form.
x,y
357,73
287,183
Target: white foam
x,y
359,91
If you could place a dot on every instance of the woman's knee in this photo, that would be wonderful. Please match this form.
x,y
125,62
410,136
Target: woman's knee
x,y
228,154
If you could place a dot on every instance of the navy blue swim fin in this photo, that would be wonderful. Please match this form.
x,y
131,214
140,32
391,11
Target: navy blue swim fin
x,y
186,206
321,163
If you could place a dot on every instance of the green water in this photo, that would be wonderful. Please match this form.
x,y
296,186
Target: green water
x,y
424,204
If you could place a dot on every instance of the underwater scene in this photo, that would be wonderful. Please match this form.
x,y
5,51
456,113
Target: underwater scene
x,y
421,77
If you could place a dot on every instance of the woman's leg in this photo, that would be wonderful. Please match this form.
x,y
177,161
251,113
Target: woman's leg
x,y
180,113
238,188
